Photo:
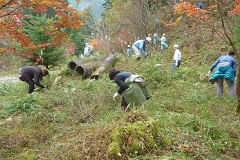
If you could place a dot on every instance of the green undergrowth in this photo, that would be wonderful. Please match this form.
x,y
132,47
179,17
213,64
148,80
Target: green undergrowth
x,y
75,118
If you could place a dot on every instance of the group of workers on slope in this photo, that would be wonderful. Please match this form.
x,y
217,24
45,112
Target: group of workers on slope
x,y
133,88
140,46
225,65
225,69
162,40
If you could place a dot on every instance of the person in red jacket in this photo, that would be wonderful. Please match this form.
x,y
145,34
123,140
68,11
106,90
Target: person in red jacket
x,y
32,75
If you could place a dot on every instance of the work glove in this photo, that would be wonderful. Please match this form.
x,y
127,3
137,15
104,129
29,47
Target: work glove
x,y
115,96
145,54
209,72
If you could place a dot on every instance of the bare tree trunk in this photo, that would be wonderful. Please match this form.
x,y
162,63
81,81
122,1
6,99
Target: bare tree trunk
x,y
232,44
109,62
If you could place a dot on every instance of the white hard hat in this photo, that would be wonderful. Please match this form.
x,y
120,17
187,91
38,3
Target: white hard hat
x,y
175,46
86,44
164,34
128,45
149,39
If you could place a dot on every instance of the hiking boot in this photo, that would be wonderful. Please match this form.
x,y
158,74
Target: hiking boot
x,y
124,107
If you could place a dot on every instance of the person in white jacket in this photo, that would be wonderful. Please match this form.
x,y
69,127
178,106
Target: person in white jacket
x,y
177,57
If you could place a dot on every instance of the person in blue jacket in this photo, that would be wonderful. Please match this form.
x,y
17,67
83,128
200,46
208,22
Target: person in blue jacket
x,y
225,69
164,45
155,39
88,50
200,5
140,46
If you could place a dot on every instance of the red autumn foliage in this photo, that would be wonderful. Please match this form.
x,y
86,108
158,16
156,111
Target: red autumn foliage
x,y
12,24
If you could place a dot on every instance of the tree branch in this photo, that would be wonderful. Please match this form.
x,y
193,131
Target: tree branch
x,y
223,26
4,15
3,6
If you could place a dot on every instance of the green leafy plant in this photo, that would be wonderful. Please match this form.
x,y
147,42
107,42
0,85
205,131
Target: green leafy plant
x,y
40,29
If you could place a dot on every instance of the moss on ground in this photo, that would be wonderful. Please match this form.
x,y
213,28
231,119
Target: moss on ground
x,y
134,139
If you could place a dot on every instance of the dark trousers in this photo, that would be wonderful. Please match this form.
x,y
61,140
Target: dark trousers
x,y
123,104
31,86
174,64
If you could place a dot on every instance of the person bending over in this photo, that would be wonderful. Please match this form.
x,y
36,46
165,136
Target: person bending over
x,y
32,75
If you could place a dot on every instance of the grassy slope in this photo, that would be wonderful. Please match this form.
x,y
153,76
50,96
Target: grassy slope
x,y
74,119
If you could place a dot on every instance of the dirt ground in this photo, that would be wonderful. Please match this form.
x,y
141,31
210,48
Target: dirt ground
x,y
8,78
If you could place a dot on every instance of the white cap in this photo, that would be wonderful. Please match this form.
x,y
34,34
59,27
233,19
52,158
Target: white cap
x,y
149,39
175,46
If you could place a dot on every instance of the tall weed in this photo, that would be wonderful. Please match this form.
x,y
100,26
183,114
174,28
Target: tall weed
x,y
74,118
25,104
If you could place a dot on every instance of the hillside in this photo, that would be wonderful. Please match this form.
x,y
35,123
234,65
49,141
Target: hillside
x,y
77,119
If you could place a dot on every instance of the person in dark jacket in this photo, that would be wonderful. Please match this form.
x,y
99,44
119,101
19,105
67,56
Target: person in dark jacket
x,y
32,75
226,69
133,88
119,78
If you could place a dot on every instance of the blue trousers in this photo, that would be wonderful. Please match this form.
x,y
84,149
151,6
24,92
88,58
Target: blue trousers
x,y
174,64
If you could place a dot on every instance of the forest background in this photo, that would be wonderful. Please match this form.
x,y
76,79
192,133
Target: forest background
x,y
78,118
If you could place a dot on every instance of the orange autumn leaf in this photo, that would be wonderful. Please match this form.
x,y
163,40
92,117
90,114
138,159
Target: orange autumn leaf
x,y
236,9
12,24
